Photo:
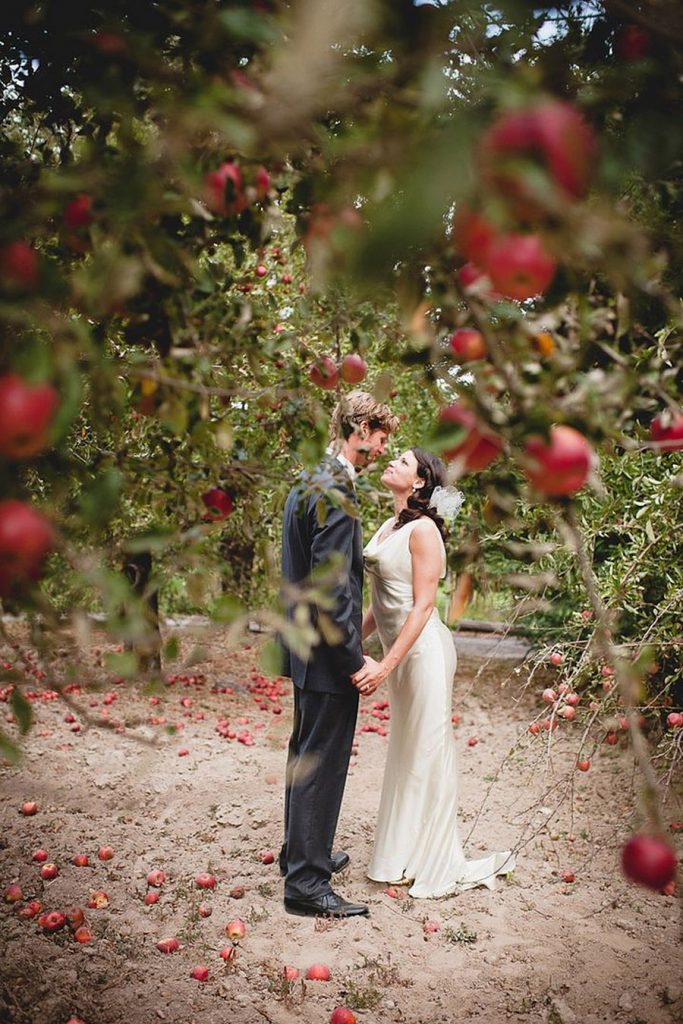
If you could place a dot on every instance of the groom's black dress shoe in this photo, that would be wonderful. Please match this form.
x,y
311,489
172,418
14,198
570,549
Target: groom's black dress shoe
x,y
329,905
338,862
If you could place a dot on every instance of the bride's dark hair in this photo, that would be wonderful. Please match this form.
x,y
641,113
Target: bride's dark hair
x,y
432,470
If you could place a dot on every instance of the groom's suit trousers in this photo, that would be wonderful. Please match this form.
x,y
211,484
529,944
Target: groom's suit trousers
x,y
317,764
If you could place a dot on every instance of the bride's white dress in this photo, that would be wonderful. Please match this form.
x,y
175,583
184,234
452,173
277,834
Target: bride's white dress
x,y
417,827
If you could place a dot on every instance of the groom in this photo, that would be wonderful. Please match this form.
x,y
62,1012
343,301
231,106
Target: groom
x,y
321,524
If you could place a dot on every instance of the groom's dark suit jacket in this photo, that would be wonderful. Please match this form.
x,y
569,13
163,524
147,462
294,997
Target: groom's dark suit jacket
x,y
314,528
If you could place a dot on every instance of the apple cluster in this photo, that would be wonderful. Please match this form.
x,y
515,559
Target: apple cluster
x,y
27,415
325,373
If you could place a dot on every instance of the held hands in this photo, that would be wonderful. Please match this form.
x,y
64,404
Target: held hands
x,y
367,679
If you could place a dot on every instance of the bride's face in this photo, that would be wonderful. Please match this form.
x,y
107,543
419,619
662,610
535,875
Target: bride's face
x,y
401,473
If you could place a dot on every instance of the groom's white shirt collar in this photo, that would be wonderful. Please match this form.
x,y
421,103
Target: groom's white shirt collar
x,y
348,466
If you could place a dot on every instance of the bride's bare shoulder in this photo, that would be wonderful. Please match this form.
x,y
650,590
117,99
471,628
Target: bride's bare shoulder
x,y
425,531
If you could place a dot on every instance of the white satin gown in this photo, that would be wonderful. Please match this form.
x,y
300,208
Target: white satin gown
x,y
417,825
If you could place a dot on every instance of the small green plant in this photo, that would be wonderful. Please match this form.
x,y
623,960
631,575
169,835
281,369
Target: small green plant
x,y
462,936
361,997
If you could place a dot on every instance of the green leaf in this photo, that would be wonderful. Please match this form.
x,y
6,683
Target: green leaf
x,y
171,648
271,658
99,502
23,711
123,664
226,609
9,750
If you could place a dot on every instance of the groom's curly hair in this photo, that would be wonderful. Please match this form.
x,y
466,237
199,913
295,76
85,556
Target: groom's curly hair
x,y
360,407
431,469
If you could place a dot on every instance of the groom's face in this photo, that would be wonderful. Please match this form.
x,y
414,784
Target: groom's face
x,y
370,445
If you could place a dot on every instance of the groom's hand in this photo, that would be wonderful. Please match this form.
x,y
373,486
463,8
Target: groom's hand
x,y
367,679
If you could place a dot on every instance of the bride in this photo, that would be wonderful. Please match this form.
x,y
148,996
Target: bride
x,y
417,839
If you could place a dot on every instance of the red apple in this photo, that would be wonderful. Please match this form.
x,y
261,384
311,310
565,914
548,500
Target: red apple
x,y
52,921
237,892
40,856
78,212
80,860
219,504
342,1015
109,43
611,739
14,893
480,446
467,344
156,878
560,465
19,267
534,728
49,871
584,765
30,910
26,415
168,945
98,900
261,271
431,926
290,973
572,699
151,898
674,720
228,953
323,373
223,190
549,696
473,235
551,134
26,538
632,42
205,881
267,856
236,930
353,368
556,658
200,973
105,853
666,430
30,807
83,934
567,876
649,861
472,741
568,713
262,184
318,972
74,917
204,910
519,266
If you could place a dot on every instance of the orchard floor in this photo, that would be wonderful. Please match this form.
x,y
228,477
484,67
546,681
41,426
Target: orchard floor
x,y
536,949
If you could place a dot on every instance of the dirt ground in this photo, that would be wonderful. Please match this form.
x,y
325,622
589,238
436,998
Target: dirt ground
x,y
209,799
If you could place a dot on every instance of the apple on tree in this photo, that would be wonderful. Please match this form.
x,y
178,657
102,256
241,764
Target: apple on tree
x,y
550,136
519,266
467,344
666,430
19,267
26,538
324,373
479,447
219,504
649,861
223,190
26,416
353,368
561,465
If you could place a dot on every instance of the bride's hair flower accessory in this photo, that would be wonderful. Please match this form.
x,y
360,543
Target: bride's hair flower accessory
x,y
447,501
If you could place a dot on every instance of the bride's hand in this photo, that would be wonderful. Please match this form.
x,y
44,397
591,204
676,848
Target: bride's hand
x,y
367,679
